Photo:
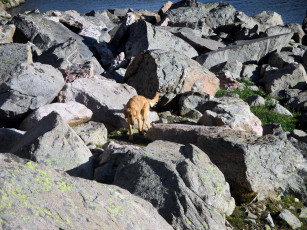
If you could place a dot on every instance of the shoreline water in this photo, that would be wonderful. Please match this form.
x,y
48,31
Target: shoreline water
x,y
291,12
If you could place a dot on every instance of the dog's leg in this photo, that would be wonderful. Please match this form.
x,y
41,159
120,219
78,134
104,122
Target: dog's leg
x,y
140,123
130,132
145,116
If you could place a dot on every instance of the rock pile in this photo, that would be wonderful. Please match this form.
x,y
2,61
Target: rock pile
x,y
66,77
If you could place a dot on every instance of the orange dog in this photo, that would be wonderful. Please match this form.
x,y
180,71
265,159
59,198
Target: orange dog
x,y
137,108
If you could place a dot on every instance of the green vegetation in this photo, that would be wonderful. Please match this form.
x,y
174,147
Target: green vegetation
x,y
5,1
264,113
272,206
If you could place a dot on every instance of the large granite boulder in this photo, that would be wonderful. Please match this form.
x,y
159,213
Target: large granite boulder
x,y
144,36
104,97
298,101
245,51
179,180
28,87
11,56
230,111
53,143
250,163
198,15
292,76
7,33
169,73
268,19
45,33
37,197
72,112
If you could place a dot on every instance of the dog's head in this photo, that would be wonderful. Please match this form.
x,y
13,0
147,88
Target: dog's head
x,y
130,115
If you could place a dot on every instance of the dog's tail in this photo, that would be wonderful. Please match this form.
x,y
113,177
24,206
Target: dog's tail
x,y
154,100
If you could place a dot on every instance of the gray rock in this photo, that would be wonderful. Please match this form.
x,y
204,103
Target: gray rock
x,y
106,55
178,180
92,133
255,100
229,68
304,61
303,213
282,110
104,97
45,33
251,72
276,30
11,56
7,33
49,199
298,101
28,87
169,73
144,36
292,76
245,52
268,218
193,37
63,55
250,221
8,138
232,112
274,129
299,135
268,19
297,31
190,104
249,163
290,219
53,143
72,112
282,59
101,18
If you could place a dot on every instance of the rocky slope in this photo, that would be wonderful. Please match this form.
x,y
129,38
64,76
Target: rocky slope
x,y
229,137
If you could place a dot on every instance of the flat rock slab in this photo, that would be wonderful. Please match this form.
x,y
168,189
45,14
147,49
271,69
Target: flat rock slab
x,y
245,52
249,163
28,87
53,143
72,112
144,36
7,33
37,197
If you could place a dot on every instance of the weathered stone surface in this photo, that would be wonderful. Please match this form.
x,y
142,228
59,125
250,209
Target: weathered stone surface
x,y
304,61
274,129
169,73
251,72
191,103
229,68
72,112
101,18
282,59
292,76
53,143
276,30
8,138
45,33
198,15
177,179
232,112
74,72
92,133
11,56
37,197
28,87
62,55
297,31
246,51
104,97
255,100
250,163
193,37
282,110
290,219
229,83
6,33
268,19
144,36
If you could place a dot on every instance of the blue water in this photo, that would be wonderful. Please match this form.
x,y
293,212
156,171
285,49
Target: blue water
x,y
292,11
